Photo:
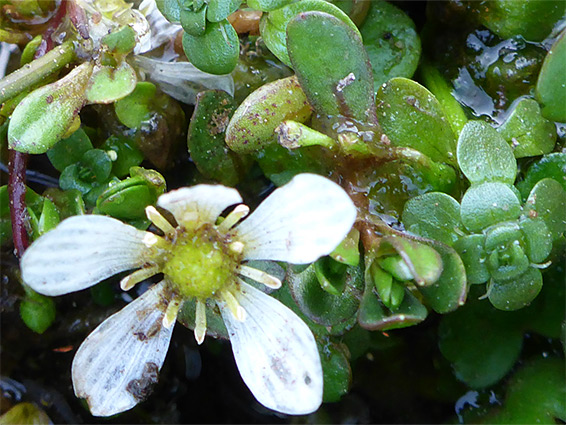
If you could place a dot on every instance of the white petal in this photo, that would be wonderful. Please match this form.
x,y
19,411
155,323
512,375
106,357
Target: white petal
x,y
116,365
80,252
299,222
208,201
276,353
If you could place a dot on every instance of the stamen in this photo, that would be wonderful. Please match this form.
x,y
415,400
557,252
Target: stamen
x,y
260,276
171,312
158,220
136,277
237,310
236,247
236,215
200,322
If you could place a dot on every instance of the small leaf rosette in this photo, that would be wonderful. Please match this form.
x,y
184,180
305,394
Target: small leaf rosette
x,y
202,257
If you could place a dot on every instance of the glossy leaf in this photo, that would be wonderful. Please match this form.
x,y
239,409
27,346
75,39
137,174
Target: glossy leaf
x,y
273,25
434,216
535,394
337,372
547,200
194,22
412,117
551,84
121,41
253,125
537,239
171,9
37,311
109,84
531,19
346,88
552,166
372,315
267,5
391,42
206,135
127,155
135,108
515,293
484,156
527,132
423,264
450,290
70,150
45,115
216,51
319,305
481,343
488,203
218,10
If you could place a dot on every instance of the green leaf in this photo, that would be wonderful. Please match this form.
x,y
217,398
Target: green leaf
x,y
434,216
319,305
273,25
44,116
442,90
551,83
127,154
135,108
348,252
552,166
471,251
412,117
527,132
537,239
37,311
372,315
450,289
69,150
346,87
423,263
391,293
109,84
536,394
194,22
484,156
391,42
515,293
125,200
481,343
531,19
218,10
205,138
488,203
337,372
216,51
171,9
280,164
49,218
253,125
547,200
120,42
267,5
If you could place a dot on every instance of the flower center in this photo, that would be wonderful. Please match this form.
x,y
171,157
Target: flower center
x,y
200,263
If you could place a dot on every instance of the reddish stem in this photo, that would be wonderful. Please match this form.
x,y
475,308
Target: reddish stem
x,y
17,193
18,161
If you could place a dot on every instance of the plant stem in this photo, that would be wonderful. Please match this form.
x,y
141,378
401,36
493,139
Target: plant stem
x,y
36,70
17,194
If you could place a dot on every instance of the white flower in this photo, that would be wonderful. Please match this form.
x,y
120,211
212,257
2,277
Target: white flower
x,y
202,258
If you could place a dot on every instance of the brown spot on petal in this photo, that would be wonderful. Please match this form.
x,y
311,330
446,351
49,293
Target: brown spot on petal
x,y
141,388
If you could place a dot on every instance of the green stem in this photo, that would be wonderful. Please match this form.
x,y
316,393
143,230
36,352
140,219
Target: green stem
x,y
35,71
